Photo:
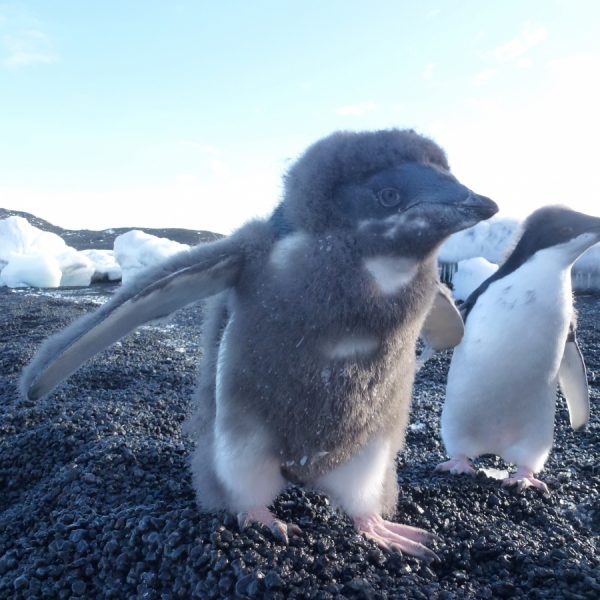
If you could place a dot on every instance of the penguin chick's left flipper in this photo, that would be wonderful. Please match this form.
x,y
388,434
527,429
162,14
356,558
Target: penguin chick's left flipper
x,y
523,478
443,328
182,280
396,537
572,379
263,516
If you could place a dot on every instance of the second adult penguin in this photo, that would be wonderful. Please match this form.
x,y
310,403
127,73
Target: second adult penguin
x,y
519,343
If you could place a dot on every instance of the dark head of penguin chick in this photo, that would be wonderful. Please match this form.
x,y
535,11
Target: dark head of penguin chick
x,y
393,189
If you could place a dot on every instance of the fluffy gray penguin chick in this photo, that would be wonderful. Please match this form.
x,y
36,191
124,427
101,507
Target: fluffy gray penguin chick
x,y
310,340
519,342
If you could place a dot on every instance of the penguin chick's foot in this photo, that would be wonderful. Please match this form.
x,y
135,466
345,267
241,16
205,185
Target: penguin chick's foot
x,y
458,465
396,537
523,478
264,516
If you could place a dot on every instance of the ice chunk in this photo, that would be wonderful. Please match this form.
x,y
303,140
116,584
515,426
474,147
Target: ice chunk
x,y
106,268
77,269
30,257
136,251
470,274
31,270
491,240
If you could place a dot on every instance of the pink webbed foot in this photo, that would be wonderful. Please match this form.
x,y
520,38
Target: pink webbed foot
x,y
264,516
458,465
523,478
396,537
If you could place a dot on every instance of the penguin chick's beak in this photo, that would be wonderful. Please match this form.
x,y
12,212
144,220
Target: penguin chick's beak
x,y
480,207
595,225
458,197
419,185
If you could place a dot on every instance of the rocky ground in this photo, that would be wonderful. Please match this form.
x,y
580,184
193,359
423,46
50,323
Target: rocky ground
x,y
96,499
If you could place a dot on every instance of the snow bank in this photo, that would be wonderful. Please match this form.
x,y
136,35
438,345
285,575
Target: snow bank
x,y
470,274
30,257
31,270
586,271
18,237
491,240
136,251
106,268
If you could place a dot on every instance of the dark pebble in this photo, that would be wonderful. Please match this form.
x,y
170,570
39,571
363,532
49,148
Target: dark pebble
x,y
78,587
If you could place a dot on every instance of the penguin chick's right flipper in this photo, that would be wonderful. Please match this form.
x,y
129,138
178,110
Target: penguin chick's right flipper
x,y
182,280
572,379
443,328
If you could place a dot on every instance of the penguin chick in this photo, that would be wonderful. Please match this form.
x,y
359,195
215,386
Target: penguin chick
x,y
310,339
519,342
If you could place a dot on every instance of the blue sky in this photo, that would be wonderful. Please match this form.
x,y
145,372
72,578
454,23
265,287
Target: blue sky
x,y
148,113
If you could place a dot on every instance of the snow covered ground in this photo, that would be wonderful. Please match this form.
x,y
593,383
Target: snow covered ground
x,y
30,257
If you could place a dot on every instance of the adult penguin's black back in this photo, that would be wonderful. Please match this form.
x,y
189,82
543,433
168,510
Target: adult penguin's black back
x,y
310,344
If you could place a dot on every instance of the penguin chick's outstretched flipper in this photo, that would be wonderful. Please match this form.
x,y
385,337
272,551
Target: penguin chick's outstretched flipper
x,y
156,293
443,328
519,343
572,380
309,347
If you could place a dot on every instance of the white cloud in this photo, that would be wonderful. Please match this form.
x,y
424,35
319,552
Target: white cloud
x,y
356,110
514,53
483,76
27,48
23,41
215,197
532,146
434,12
521,44
428,71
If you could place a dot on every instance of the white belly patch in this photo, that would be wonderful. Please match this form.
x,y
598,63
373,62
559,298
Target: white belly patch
x,y
351,346
283,251
391,273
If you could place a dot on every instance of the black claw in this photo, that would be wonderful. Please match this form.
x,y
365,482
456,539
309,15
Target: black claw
x,y
432,537
395,548
430,557
279,530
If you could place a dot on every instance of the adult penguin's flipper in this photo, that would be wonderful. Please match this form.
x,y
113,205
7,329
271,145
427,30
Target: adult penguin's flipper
x,y
183,279
572,379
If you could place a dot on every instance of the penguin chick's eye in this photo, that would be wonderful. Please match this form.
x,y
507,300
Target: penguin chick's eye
x,y
389,197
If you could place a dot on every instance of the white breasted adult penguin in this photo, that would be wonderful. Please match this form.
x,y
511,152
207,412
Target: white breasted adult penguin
x,y
519,342
310,341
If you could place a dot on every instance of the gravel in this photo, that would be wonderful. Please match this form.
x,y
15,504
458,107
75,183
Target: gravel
x,y
97,501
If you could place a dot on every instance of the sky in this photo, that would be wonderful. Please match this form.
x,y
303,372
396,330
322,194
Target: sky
x,y
153,113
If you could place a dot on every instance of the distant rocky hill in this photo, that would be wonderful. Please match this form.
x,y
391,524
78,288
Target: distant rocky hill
x,y
85,239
